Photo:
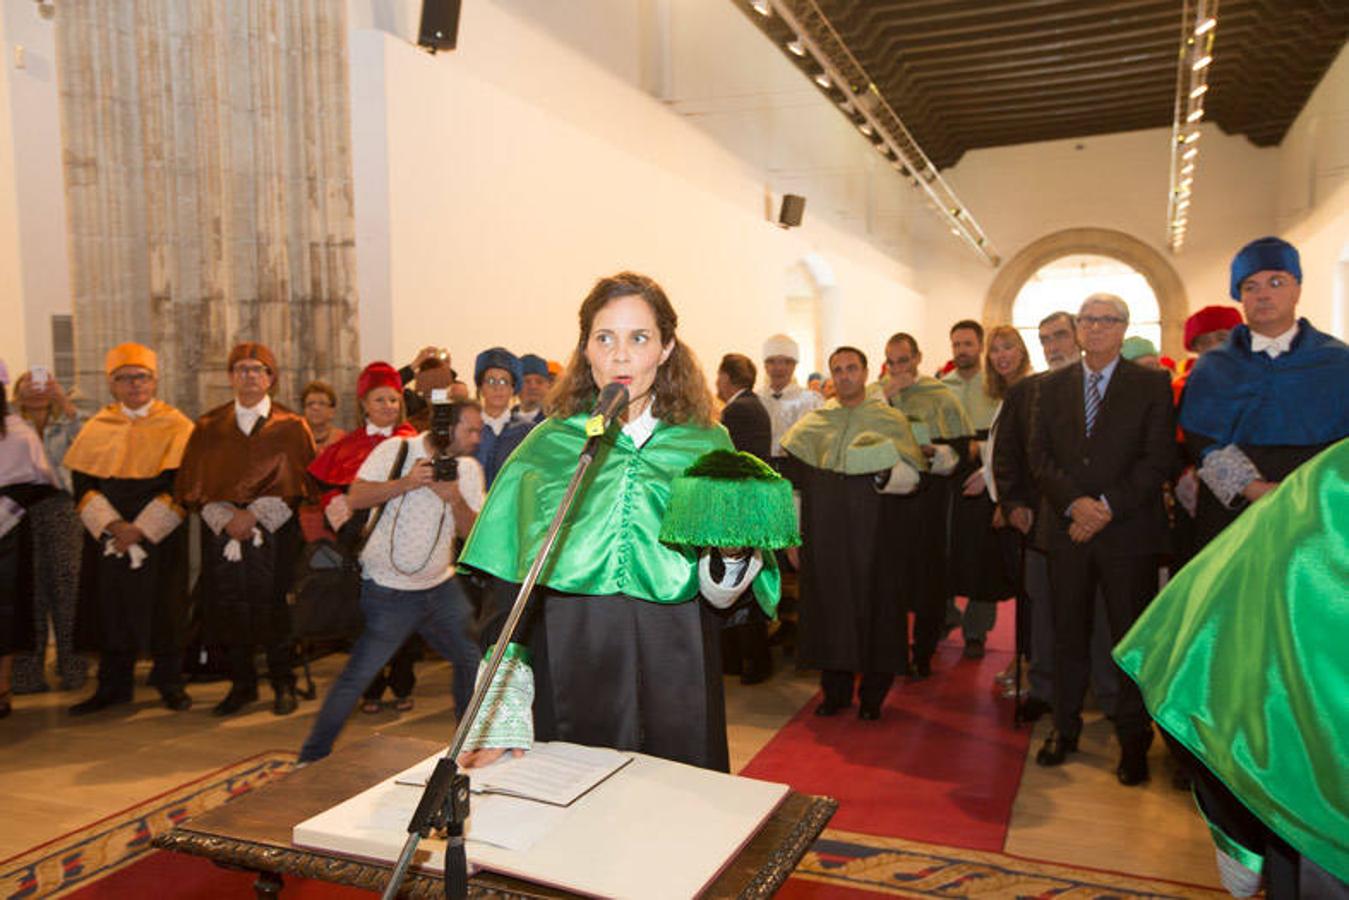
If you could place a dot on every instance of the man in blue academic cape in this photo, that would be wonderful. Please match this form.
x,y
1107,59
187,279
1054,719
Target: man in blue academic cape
x,y
1270,398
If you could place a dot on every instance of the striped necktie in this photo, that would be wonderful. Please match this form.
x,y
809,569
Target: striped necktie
x,y
1093,399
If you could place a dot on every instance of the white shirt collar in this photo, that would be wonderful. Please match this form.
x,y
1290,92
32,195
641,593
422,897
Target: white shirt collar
x,y
736,396
1274,346
496,423
641,428
247,416
372,430
789,390
136,413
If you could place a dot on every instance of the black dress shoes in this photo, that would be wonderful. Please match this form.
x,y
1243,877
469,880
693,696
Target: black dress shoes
x,y
1133,768
285,702
1055,750
176,699
235,700
829,709
99,701
1031,709
869,713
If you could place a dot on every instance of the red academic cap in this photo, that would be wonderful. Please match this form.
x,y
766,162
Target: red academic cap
x,y
377,375
1210,318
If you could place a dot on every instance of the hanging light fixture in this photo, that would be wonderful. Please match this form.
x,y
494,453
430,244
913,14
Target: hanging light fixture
x,y
803,31
1199,23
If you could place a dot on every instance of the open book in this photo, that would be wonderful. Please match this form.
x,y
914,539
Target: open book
x,y
557,773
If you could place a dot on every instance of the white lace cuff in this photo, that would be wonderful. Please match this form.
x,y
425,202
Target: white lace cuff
x,y
738,575
944,461
902,479
96,514
506,718
158,519
217,515
337,512
1227,472
136,552
272,512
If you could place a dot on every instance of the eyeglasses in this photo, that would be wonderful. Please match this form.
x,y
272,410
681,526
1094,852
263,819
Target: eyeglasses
x,y
246,370
133,378
496,381
1093,321
1250,285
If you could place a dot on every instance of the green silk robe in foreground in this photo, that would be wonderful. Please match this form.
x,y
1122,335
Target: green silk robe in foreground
x,y
609,543
1243,659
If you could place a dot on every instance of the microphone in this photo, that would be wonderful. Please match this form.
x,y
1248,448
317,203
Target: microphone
x,y
612,401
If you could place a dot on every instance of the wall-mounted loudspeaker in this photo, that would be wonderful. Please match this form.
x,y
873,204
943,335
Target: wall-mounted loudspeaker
x,y
440,25
793,208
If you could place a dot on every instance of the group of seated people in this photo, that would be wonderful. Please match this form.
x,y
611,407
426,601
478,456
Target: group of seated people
x,y
1068,489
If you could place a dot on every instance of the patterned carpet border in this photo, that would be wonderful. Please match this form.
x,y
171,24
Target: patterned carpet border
x,y
900,868
83,856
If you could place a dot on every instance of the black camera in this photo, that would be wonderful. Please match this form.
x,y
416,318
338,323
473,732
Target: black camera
x,y
444,417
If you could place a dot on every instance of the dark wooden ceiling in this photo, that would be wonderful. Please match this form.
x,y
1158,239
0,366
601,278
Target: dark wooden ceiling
x,y
983,73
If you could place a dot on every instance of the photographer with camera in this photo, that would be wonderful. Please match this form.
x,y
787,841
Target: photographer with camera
x,y
428,488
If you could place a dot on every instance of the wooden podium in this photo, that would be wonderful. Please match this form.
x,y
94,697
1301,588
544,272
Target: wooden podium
x,y
254,832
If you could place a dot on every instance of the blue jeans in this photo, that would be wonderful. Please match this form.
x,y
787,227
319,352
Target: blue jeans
x,y
440,614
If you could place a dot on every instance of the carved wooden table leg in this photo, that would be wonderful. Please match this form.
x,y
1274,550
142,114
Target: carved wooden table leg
x,y
268,886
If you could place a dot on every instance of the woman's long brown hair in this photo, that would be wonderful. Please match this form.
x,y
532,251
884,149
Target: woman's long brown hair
x,y
679,394
994,384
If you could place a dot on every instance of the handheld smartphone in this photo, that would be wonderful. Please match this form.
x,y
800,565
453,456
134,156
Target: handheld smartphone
x,y
40,377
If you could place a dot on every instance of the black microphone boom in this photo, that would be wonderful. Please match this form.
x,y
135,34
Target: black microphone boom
x,y
611,403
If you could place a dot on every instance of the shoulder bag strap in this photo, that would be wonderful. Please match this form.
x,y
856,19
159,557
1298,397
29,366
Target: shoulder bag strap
x,y
395,472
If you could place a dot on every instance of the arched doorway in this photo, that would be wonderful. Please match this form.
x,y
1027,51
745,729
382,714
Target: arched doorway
x,y
1160,277
1063,283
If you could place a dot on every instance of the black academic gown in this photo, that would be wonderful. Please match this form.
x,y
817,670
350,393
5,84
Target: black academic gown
x,y
17,634
855,557
125,612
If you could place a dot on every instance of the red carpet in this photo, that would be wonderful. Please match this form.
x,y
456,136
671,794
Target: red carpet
x,y
942,765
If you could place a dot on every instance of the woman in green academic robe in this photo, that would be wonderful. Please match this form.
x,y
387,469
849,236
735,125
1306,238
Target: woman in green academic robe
x,y
622,638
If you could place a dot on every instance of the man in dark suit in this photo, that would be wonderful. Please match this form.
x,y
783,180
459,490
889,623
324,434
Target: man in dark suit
x,y
1102,445
744,414
744,645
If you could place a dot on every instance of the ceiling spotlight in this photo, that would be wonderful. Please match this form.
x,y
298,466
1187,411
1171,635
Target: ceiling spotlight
x,y
865,128
1199,91
823,81
1195,116
1205,26
1201,63
797,48
1192,137
1190,154
762,7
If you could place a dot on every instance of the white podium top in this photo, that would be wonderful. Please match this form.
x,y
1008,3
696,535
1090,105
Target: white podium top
x,y
655,829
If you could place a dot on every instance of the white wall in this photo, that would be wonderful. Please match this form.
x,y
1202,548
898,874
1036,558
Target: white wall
x,y
34,256
1313,198
1118,181
511,188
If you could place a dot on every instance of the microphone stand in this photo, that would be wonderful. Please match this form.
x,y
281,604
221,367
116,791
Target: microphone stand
x,y
445,800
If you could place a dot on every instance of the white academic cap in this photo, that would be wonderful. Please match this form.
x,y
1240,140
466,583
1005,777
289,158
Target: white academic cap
x,y
781,345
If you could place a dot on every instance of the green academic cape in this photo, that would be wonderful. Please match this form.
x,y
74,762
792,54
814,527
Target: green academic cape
x,y
609,543
821,438
934,405
1242,659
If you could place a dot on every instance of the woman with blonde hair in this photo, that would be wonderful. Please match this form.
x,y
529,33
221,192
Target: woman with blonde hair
x,y
622,651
